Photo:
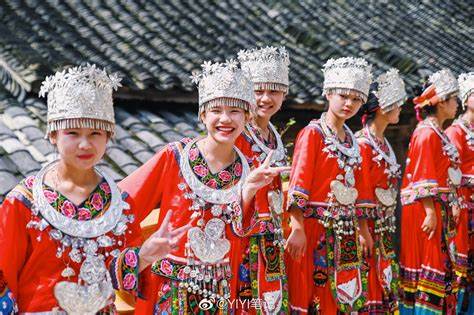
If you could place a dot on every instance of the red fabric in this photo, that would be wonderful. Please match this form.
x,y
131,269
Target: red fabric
x,y
263,213
427,167
464,238
311,174
155,185
30,266
378,178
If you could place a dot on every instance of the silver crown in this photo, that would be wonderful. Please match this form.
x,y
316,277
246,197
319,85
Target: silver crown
x,y
223,84
466,86
347,74
267,67
445,83
80,97
391,90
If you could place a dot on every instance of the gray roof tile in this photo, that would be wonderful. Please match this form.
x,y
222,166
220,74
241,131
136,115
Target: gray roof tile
x,y
8,182
25,162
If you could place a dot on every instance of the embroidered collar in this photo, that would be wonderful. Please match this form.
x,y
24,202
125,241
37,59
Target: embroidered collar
x,y
223,178
84,229
205,192
94,205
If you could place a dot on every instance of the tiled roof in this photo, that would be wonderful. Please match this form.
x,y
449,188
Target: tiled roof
x,y
140,133
156,44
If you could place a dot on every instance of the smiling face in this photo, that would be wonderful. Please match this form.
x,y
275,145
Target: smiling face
x,y
268,102
81,148
224,123
344,106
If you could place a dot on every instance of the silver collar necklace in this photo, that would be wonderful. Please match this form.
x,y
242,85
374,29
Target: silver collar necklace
x,y
83,229
208,194
335,143
278,154
391,159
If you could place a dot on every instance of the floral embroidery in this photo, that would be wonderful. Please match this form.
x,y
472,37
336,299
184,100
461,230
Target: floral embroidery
x,y
223,178
169,269
68,209
124,270
93,206
425,189
297,199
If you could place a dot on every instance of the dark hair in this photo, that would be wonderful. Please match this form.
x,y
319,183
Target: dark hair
x,y
370,107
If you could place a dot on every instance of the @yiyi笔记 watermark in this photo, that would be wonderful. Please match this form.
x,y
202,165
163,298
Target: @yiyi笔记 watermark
x,y
212,303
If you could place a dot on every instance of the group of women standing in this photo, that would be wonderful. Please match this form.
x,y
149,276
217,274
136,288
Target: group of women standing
x,y
69,235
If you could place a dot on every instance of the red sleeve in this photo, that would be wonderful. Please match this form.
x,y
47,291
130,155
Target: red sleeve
x,y
307,147
421,179
426,148
364,184
145,186
13,240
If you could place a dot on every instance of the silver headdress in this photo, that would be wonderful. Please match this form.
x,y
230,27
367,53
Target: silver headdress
x,y
80,97
347,74
466,86
445,83
391,90
223,84
267,67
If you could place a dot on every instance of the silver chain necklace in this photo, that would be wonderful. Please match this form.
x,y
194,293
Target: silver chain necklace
x,y
391,159
454,173
347,158
279,153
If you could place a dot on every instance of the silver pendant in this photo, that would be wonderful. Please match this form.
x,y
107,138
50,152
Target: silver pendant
x,y
68,272
90,297
387,197
455,175
209,245
344,195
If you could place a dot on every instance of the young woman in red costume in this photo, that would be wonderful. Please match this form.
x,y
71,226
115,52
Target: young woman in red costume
x,y
207,183
379,163
430,205
325,272
461,134
262,274
65,228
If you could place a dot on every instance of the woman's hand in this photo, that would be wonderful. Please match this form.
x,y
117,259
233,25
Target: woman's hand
x,y
261,177
429,224
161,243
296,243
456,213
365,238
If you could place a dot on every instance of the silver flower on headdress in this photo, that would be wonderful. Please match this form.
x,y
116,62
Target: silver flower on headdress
x,y
267,67
80,97
347,74
445,83
391,90
223,84
466,86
